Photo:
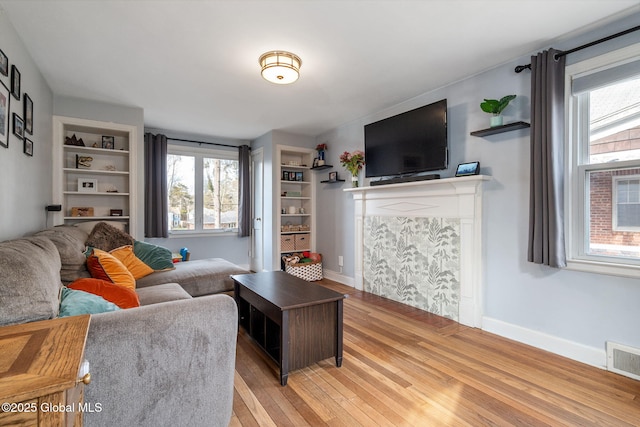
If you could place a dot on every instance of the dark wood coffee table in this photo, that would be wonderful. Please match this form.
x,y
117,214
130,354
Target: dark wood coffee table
x,y
295,322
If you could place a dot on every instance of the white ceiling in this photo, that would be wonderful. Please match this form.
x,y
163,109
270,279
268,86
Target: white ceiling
x,y
193,65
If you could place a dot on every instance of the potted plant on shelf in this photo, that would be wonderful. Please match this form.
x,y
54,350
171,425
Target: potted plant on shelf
x,y
495,107
353,162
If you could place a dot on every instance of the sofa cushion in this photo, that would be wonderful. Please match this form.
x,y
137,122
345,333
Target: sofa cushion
x,y
119,295
135,266
156,257
107,237
105,266
161,293
29,280
200,277
75,303
70,242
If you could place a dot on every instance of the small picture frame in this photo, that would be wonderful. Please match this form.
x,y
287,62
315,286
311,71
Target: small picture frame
x,y
315,162
87,185
18,126
28,147
28,114
108,142
15,82
333,176
115,212
292,176
467,169
4,64
285,175
4,115
298,176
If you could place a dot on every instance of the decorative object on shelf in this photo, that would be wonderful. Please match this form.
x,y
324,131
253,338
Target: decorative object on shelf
x,y
4,64
77,211
28,114
111,188
108,142
28,147
495,107
110,168
87,185
84,161
115,212
4,115
74,141
285,175
15,82
18,126
315,163
292,210
321,148
280,67
298,176
353,162
333,176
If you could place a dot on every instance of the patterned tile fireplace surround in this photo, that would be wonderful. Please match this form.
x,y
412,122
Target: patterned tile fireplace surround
x,y
420,243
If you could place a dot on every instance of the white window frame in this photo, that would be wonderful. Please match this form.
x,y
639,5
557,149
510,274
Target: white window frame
x,y
614,194
200,153
577,219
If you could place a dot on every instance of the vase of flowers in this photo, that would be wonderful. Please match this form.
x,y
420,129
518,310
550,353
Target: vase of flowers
x,y
353,162
321,148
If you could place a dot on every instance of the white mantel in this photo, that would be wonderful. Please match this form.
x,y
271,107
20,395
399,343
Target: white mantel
x,y
449,198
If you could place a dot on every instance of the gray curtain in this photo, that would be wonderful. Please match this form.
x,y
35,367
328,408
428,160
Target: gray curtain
x,y
244,192
546,206
156,205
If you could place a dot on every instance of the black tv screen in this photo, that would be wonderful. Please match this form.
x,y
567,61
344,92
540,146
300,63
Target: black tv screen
x,y
409,143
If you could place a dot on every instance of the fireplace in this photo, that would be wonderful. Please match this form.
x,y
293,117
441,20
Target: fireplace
x,y
420,243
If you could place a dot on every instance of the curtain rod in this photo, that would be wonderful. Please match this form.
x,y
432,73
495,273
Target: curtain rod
x,y
203,142
521,68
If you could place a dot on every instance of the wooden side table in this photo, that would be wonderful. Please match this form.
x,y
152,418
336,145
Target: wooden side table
x,y
39,365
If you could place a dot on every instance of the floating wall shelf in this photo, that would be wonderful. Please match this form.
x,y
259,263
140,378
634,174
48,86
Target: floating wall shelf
x,y
319,168
500,129
331,182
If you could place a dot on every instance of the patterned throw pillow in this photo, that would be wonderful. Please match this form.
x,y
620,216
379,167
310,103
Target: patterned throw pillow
x,y
156,257
107,237
135,266
103,265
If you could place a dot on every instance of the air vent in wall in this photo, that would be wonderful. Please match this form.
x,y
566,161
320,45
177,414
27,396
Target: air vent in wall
x,y
623,360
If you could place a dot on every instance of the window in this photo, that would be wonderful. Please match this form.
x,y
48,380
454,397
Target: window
x,y
603,171
203,190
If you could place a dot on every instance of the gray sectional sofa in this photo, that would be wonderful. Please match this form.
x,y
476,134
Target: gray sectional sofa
x,y
170,361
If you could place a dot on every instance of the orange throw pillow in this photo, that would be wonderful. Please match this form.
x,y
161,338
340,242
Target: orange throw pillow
x,y
119,295
103,265
135,266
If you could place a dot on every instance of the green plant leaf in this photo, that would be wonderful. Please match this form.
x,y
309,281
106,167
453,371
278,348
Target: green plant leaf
x,y
490,106
504,101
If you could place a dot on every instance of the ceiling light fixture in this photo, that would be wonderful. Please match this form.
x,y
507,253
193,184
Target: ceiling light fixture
x,y
280,67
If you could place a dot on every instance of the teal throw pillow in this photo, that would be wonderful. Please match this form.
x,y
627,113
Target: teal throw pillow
x,y
156,257
74,303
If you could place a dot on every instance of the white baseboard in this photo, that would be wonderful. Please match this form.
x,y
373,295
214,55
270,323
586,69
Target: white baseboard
x,y
338,277
589,355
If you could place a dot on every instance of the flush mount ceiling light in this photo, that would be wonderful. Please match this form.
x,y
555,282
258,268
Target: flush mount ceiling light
x,y
280,67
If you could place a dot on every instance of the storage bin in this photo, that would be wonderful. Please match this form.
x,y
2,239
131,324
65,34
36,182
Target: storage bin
x,y
287,243
303,242
309,271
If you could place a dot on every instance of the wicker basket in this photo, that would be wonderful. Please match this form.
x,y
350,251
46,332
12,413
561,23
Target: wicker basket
x,y
287,243
309,271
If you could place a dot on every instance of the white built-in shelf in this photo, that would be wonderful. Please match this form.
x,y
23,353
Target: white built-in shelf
x,y
102,193
296,182
95,150
295,198
94,218
295,215
94,171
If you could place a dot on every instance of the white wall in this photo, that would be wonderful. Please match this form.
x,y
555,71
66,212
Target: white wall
x,y
568,312
25,182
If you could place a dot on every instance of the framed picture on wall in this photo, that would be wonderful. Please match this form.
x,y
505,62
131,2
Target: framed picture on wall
x,y
87,185
18,126
4,64
4,115
108,142
15,82
28,147
28,114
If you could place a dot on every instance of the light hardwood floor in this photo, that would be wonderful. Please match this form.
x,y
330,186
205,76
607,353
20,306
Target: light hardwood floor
x,y
405,367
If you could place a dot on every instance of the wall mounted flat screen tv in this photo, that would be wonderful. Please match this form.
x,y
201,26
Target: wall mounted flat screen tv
x,y
409,143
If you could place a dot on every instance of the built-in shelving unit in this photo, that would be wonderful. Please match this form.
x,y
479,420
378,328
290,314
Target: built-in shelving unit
x,y
296,208
102,187
500,129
